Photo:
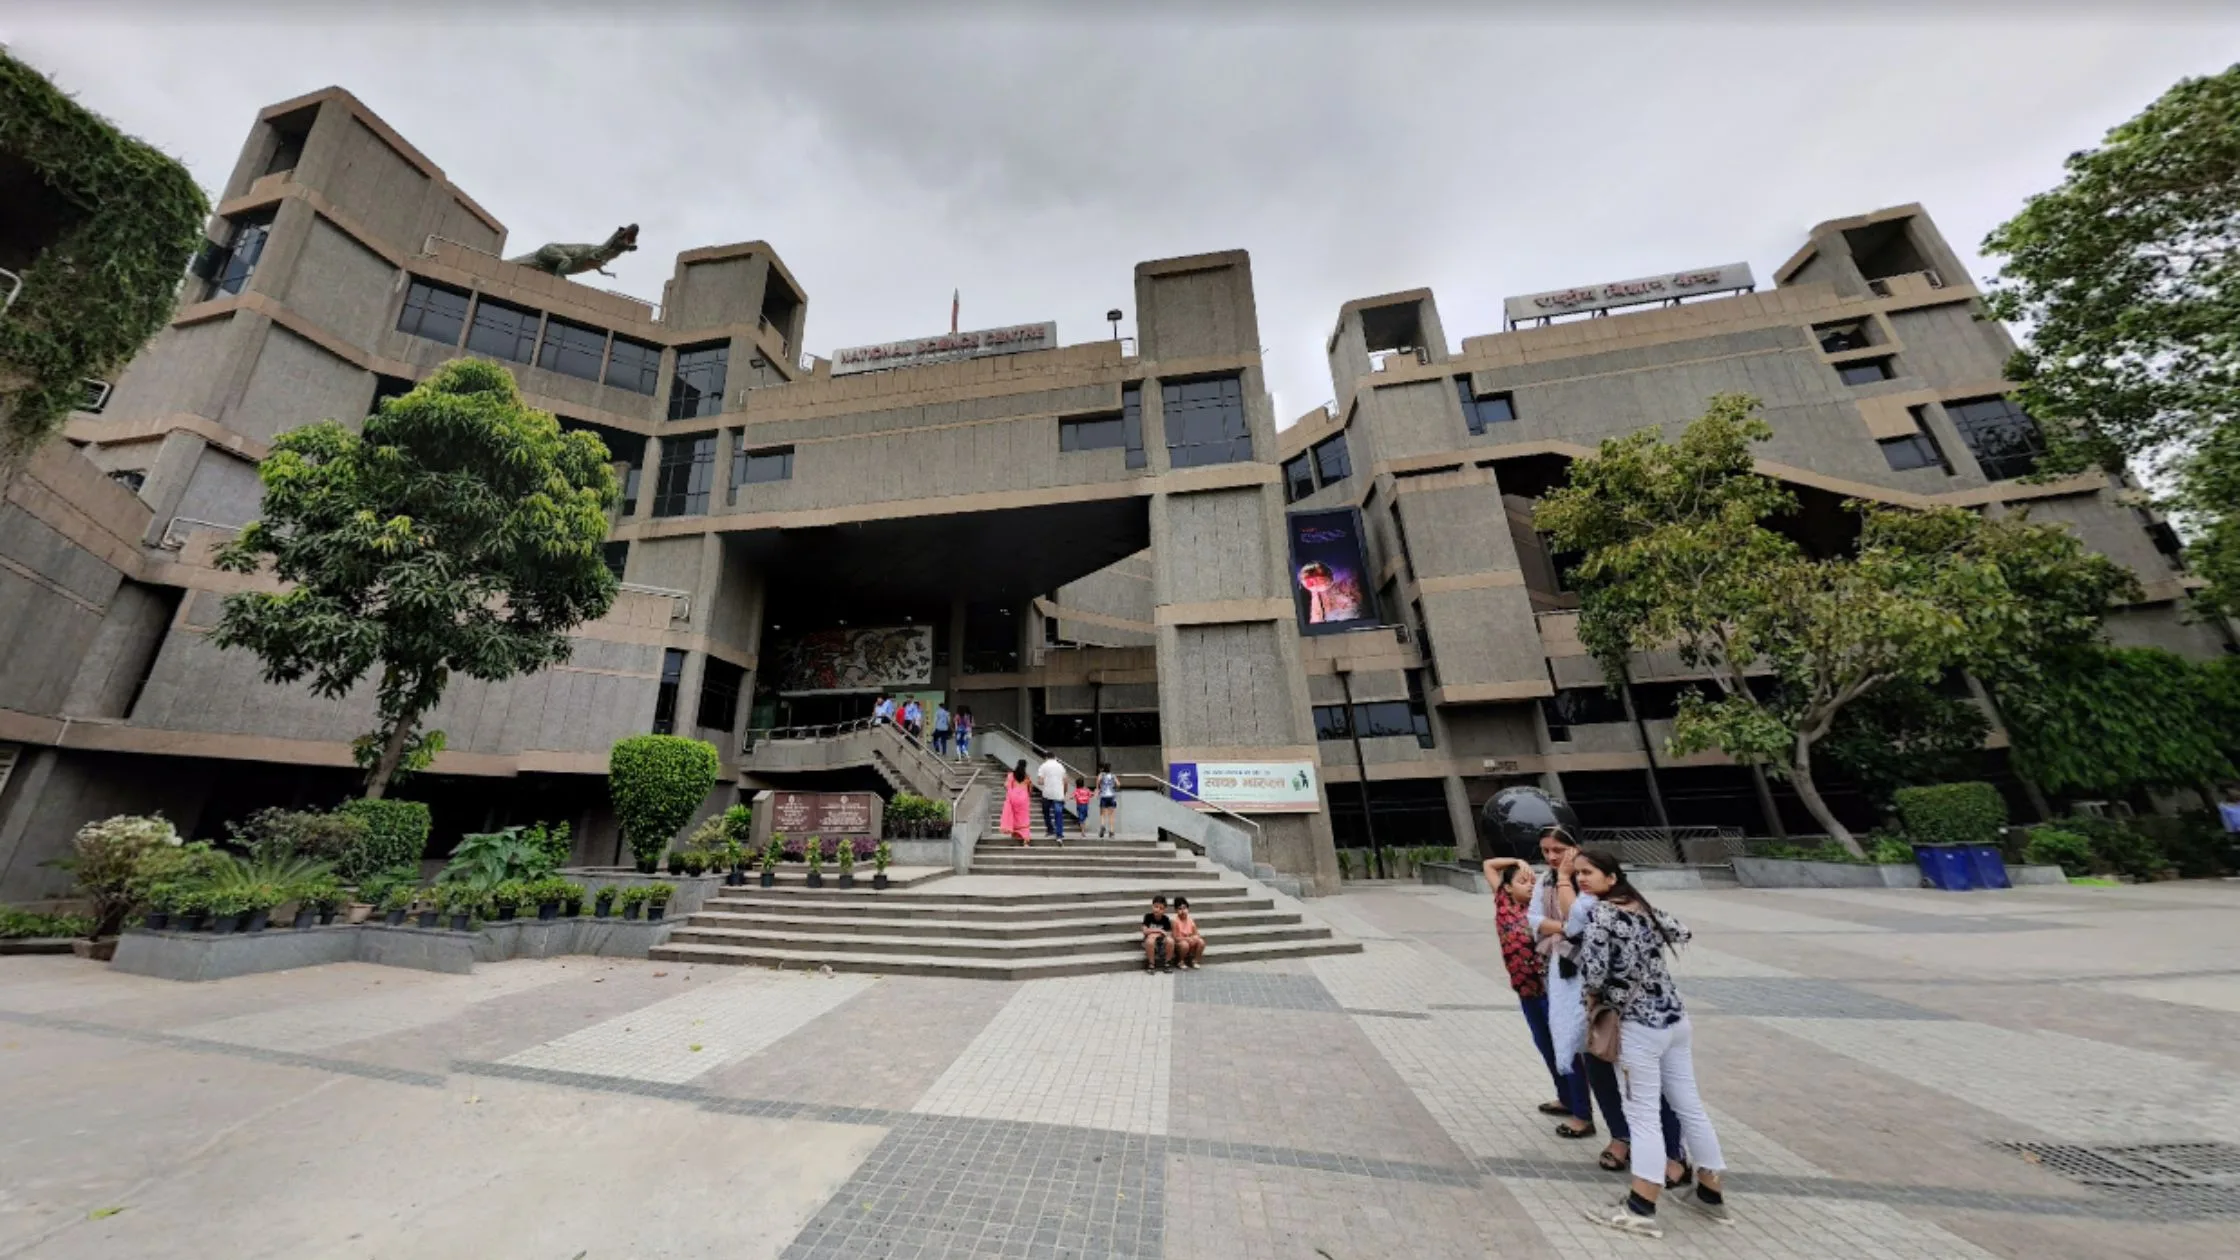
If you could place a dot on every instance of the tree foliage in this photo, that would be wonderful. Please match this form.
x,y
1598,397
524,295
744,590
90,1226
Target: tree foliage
x,y
95,294
658,782
2128,275
1679,552
1952,813
1906,733
2110,720
458,534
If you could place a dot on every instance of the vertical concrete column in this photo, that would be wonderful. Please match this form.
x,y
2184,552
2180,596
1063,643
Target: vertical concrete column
x,y
167,479
957,614
646,477
1461,817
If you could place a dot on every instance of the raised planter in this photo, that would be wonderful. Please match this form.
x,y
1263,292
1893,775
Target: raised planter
x,y
2019,875
174,955
36,945
687,893
1758,872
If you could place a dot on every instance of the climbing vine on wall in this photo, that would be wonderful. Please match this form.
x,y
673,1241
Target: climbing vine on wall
x,y
94,296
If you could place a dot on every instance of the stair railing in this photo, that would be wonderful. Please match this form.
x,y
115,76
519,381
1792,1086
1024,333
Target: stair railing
x,y
1157,782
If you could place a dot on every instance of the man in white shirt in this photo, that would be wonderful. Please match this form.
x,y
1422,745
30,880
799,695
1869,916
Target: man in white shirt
x,y
1050,776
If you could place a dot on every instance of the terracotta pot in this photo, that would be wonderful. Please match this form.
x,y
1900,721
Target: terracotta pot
x,y
358,912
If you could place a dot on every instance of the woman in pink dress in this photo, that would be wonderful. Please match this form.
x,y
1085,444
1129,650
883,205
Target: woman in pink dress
x,y
1014,822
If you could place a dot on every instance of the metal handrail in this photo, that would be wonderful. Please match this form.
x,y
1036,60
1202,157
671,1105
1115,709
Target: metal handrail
x,y
15,286
1136,774
958,802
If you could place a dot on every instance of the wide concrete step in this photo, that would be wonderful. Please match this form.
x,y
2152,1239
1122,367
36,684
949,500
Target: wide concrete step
x,y
1125,920
1128,848
1129,905
1074,870
938,897
1041,968
1120,940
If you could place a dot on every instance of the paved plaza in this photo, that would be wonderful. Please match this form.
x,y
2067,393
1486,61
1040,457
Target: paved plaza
x,y
2045,1072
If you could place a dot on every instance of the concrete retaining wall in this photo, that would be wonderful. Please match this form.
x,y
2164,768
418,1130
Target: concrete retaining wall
x,y
1753,872
171,955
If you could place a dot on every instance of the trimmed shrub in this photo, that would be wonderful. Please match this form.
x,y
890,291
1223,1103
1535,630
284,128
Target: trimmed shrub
x,y
2118,847
396,838
1952,813
658,782
2065,849
279,833
106,857
2195,842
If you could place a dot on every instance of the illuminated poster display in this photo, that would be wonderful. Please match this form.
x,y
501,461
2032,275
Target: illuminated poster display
x,y
1330,571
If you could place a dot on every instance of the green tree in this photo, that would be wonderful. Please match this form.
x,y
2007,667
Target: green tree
x,y
658,782
1678,552
1904,733
2128,276
459,533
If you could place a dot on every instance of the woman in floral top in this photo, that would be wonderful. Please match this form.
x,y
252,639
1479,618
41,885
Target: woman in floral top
x,y
1512,884
1621,959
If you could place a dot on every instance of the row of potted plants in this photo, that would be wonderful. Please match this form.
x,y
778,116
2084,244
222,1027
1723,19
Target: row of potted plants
x,y
457,906
844,856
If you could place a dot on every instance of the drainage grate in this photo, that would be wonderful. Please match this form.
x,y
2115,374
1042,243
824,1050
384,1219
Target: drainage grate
x,y
2161,1178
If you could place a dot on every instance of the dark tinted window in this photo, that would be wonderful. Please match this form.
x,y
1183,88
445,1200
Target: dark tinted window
x,y
572,348
1330,722
665,699
1205,422
1837,338
1382,719
1864,372
630,491
688,470
434,312
697,389
1131,424
719,693
1915,450
502,331
1298,478
1478,412
748,467
1331,460
1583,706
2003,437
1092,433
634,366
617,557
239,262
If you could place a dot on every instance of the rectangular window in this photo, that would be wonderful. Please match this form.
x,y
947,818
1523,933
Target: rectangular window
x,y
697,388
1131,424
503,332
1380,719
749,467
665,699
434,312
1581,706
1864,372
1205,422
1423,632
1331,461
2002,436
635,366
572,348
1298,478
616,555
130,478
1837,338
1915,450
386,388
1479,412
719,693
630,490
1330,722
231,269
1092,433
688,469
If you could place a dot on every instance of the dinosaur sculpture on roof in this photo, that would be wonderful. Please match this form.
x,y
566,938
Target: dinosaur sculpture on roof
x,y
569,260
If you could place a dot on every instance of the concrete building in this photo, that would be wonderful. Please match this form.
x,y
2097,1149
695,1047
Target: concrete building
x,y
1088,543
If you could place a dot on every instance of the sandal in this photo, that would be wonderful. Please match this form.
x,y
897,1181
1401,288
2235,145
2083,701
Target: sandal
x,y
1565,1131
1612,1162
1554,1109
1687,1176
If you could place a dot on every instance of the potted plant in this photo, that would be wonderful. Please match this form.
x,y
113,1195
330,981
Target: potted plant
x,y
602,905
548,894
881,857
772,854
734,864
657,902
506,898
162,898
309,894
324,896
634,900
695,862
395,902
460,902
226,907
571,899
190,909
676,862
813,854
844,857
431,908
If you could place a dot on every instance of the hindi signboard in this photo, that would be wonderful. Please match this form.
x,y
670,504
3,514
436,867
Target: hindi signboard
x,y
945,348
1247,786
1603,297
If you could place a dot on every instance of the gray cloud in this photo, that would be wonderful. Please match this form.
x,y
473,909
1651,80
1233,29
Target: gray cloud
x,y
1031,160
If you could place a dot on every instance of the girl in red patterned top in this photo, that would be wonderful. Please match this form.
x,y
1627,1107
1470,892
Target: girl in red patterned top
x,y
1512,882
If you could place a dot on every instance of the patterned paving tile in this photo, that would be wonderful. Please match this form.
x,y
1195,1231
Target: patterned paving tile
x,y
1764,1228
939,1186
675,1040
1278,991
1798,997
322,1025
1090,1051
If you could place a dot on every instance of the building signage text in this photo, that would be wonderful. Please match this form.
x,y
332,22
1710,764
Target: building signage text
x,y
824,813
1254,786
1603,297
946,348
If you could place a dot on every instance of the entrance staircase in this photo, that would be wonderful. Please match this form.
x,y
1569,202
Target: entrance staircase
x,y
1024,913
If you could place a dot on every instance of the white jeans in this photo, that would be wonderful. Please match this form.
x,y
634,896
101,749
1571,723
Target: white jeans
x,y
1661,1062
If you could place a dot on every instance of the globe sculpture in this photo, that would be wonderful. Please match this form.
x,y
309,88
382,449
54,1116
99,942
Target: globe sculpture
x,y
1516,816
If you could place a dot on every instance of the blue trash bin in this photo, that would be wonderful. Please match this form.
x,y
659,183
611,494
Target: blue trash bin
x,y
1988,865
1946,865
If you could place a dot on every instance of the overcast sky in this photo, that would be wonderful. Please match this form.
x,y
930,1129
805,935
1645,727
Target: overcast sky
x,y
893,156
